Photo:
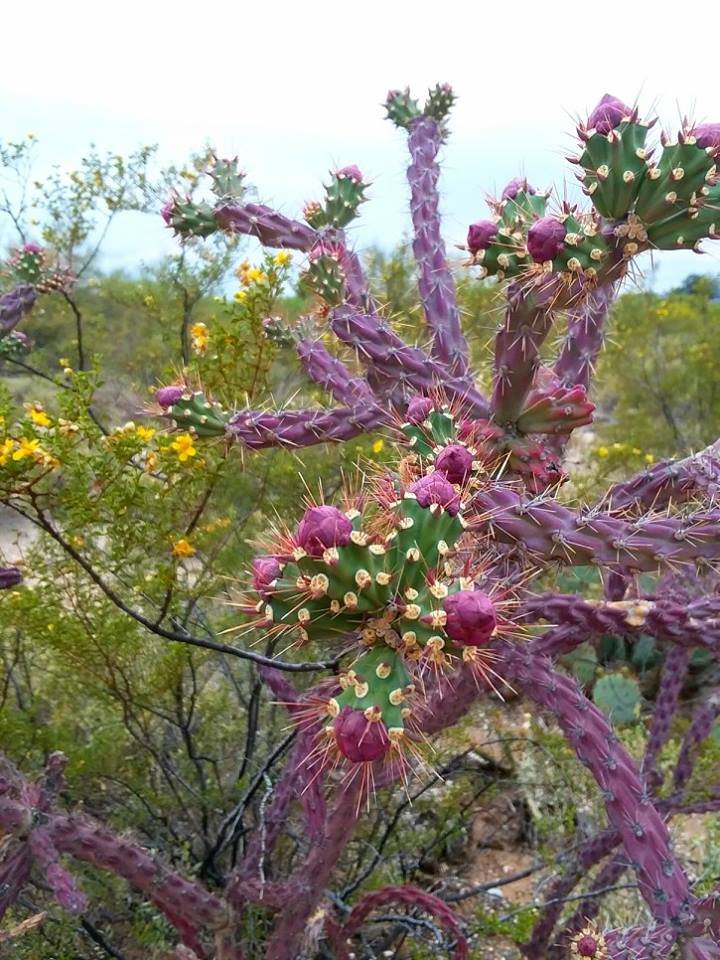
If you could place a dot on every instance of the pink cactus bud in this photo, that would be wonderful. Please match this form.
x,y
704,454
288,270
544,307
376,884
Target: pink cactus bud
x,y
708,135
168,210
9,577
418,409
352,173
326,249
545,239
586,946
265,571
471,618
608,114
323,527
455,462
168,396
360,740
515,186
33,248
435,488
480,235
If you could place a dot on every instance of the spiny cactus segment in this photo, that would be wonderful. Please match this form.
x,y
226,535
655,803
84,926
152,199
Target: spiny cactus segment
x,y
191,410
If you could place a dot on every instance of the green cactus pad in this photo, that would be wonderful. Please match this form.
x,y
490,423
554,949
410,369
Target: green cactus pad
x,y
378,679
193,219
327,278
614,168
670,185
200,415
401,108
343,197
227,179
520,211
439,102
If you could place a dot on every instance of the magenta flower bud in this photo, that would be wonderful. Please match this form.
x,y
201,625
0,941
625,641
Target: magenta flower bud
x,y
326,248
455,462
20,337
708,135
480,235
168,211
33,248
169,396
436,488
418,409
517,185
608,114
546,238
360,740
352,173
265,571
587,946
323,527
471,618
9,577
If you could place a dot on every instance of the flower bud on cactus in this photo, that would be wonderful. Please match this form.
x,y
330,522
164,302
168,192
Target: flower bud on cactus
x,y
608,114
351,173
481,234
418,409
314,214
545,239
360,740
265,571
167,396
456,462
323,527
401,108
707,136
435,488
9,577
590,944
555,409
471,618
515,186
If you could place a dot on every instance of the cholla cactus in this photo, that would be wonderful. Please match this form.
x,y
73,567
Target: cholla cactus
x,y
418,582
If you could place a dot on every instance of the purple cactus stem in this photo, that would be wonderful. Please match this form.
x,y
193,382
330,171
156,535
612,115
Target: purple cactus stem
x,y
456,462
480,235
169,396
608,114
14,305
168,211
358,739
9,577
418,409
435,488
265,571
471,618
707,136
515,186
323,527
545,239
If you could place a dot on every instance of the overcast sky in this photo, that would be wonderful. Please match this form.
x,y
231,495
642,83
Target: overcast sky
x,y
295,89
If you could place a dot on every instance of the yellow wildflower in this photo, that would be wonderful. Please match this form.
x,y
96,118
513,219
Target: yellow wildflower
x,y
151,461
240,296
149,300
282,258
256,275
602,451
649,458
183,548
6,449
145,433
26,448
200,337
184,447
38,416
378,445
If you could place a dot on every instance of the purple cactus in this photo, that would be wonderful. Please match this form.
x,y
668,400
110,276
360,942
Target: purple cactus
x,y
323,527
9,577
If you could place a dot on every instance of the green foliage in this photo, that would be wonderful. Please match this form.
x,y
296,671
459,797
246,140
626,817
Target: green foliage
x,y
619,697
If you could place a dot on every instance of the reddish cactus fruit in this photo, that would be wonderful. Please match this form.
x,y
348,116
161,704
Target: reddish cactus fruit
x,y
480,235
323,527
545,239
608,114
515,186
456,462
589,943
359,739
418,409
435,488
169,396
707,136
471,618
265,571
352,173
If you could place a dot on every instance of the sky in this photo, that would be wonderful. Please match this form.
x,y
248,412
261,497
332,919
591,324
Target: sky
x,y
295,89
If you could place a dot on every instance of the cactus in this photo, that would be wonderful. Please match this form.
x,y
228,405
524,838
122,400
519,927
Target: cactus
x,y
406,582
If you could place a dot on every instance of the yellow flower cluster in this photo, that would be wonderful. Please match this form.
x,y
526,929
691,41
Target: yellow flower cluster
x,y
183,548
24,449
200,337
38,415
184,447
247,274
623,448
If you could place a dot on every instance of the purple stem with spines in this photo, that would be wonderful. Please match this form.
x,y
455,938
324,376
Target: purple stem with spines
x,y
584,338
700,726
662,881
332,374
435,282
271,228
14,305
669,481
673,674
258,429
